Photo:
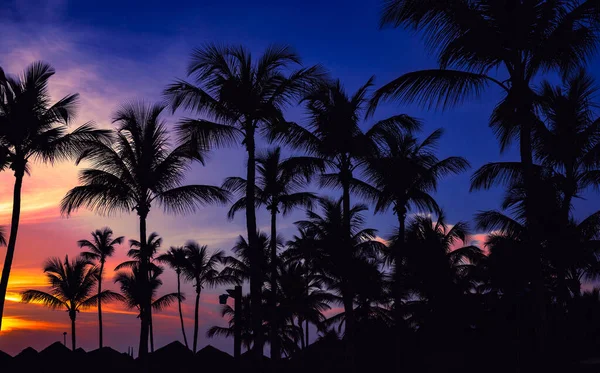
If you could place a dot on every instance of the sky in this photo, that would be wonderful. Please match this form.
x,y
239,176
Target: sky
x,y
111,52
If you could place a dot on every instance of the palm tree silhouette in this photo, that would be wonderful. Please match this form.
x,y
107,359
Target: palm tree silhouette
x,y
567,142
555,36
280,184
237,268
241,95
202,270
101,247
301,298
247,334
136,288
421,172
523,39
334,135
149,251
136,171
439,269
71,283
176,258
338,263
31,128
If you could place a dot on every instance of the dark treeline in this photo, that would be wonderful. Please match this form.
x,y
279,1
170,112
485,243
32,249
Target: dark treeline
x,y
424,299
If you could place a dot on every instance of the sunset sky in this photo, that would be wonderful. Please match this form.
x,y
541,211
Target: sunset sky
x,y
113,51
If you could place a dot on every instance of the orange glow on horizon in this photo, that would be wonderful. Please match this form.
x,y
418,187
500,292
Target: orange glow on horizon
x,y
17,323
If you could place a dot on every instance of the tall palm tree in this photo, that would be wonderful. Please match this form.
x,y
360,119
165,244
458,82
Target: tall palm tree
x,y
240,96
522,40
567,141
421,172
202,270
334,134
34,129
176,258
280,185
137,170
136,252
71,285
101,247
137,287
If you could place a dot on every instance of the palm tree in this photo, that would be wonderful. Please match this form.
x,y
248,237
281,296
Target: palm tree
x,y
176,258
137,288
567,142
33,129
247,335
523,39
301,298
237,268
202,270
334,135
240,96
421,172
439,269
336,262
149,251
136,171
102,247
71,286
280,184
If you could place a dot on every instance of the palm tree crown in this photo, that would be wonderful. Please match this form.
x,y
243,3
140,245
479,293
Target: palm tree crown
x,y
102,247
34,129
71,286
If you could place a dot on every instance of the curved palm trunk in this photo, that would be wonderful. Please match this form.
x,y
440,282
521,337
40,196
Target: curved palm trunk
x,y
100,303
145,307
10,250
255,250
196,316
275,348
180,312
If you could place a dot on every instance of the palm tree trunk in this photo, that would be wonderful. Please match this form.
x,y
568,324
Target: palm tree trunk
x,y
398,252
306,334
196,316
180,312
531,207
255,250
10,250
73,339
275,349
347,297
302,339
307,295
151,330
145,307
100,303
346,175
